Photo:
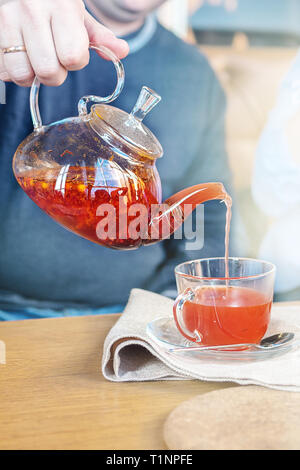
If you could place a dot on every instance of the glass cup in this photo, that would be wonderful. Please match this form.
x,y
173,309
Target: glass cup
x,y
215,310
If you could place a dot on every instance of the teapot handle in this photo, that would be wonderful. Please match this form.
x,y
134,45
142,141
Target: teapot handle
x,y
83,102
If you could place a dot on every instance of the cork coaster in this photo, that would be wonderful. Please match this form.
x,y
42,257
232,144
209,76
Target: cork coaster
x,y
239,418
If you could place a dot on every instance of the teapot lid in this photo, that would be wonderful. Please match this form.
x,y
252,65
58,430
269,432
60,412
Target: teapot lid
x,y
116,123
129,127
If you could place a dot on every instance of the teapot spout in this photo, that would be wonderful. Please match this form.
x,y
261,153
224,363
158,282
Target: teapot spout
x,y
167,217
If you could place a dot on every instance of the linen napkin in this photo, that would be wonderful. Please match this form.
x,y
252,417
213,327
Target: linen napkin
x,y
129,354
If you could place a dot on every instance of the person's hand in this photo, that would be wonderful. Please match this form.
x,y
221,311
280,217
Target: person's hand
x,y
56,35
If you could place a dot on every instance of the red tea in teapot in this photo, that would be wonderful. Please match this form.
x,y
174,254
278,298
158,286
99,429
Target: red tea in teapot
x,y
120,217
74,200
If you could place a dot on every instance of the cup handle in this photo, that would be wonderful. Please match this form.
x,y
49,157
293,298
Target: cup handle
x,y
187,295
82,105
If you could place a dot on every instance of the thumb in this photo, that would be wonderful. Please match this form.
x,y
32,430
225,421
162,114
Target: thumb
x,y
99,35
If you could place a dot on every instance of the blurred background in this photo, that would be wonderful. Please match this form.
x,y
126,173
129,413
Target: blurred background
x,y
251,45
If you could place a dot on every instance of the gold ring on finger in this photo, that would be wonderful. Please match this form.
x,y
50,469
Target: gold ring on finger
x,y
13,49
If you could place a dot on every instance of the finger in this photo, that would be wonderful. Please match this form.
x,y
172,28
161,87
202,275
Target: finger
x,y
70,38
101,36
39,43
3,73
15,66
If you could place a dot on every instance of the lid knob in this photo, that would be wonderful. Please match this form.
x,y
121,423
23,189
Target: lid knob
x,y
145,103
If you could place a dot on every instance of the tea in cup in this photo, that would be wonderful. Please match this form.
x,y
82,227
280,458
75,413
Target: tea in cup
x,y
216,310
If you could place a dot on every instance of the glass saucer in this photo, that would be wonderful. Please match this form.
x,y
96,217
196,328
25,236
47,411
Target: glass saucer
x,y
164,332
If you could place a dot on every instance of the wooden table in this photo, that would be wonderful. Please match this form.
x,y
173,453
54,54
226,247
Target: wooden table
x,y
53,395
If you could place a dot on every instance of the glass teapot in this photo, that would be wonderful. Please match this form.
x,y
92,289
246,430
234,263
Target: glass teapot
x,y
96,174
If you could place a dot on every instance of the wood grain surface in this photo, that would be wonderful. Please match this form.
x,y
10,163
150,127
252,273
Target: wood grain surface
x,y
53,395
